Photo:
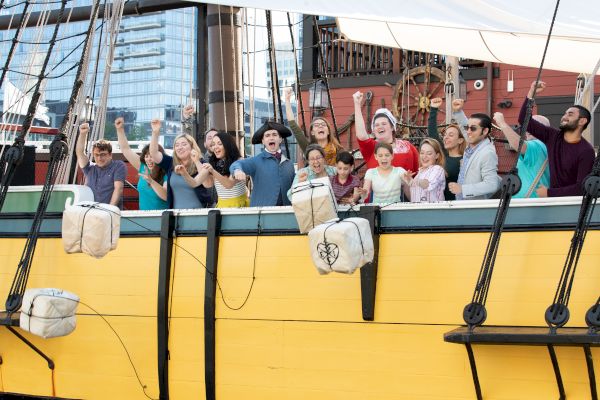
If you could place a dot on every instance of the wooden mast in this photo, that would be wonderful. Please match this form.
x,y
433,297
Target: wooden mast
x,y
225,94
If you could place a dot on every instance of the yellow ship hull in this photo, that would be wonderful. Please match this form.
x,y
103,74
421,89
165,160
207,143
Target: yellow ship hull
x,y
299,334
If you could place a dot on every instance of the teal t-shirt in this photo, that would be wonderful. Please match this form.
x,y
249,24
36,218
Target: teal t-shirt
x,y
149,200
530,165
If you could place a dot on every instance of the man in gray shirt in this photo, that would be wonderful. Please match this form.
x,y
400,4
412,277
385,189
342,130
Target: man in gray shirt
x,y
105,176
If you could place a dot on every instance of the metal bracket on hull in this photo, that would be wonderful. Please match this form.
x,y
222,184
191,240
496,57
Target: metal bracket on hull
x,y
368,273
32,346
529,336
210,292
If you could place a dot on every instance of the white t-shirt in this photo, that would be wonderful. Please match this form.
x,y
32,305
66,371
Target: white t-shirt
x,y
386,189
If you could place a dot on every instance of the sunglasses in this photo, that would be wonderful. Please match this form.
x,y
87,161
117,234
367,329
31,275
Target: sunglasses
x,y
472,128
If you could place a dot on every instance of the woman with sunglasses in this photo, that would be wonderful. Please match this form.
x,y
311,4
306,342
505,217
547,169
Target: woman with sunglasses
x,y
453,140
320,132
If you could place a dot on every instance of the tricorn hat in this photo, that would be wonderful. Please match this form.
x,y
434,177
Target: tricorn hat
x,y
283,131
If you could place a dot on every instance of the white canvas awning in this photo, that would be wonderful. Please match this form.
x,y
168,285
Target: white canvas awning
x,y
506,31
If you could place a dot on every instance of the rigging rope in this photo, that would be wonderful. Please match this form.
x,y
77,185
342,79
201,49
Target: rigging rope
x,y
58,151
277,110
297,72
22,23
557,314
14,155
474,313
324,75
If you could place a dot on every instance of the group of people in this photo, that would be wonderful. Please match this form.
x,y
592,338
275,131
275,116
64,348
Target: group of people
x,y
459,164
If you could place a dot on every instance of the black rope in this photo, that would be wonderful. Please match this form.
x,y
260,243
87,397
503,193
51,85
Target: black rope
x,y
324,75
13,46
299,95
58,152
557,314
474,313
14,155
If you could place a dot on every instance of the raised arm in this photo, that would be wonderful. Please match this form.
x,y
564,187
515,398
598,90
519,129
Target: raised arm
x,y
534,127
359,121
129,154
510,135
154,153
459,115
432,130
82,159
287,94
296,130
187,120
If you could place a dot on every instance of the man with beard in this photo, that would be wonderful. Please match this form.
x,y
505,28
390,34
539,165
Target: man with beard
x,y
570,156
272,173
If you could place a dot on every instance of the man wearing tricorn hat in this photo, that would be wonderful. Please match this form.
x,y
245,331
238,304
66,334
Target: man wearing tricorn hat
x,y
272,173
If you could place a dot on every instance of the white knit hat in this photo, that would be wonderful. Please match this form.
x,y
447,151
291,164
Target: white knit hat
x,y
386,113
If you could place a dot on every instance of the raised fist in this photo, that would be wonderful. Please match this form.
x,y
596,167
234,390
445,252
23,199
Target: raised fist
x,y
119,123
457,105
436,102
155,124
287,93
84,128
499,118
358,97
187,111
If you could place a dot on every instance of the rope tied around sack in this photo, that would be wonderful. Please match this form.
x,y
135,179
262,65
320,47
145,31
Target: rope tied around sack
x,y
329,252
312,185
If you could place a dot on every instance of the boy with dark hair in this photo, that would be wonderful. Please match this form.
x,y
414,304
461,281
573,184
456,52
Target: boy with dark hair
x,y
346,187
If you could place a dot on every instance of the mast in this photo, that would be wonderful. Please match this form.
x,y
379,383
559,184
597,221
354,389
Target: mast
x,y
225,95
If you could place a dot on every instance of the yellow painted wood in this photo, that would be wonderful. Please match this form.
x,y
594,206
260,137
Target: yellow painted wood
x,y
301,335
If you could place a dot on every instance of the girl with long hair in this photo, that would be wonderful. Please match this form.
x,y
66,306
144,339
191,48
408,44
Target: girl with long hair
x,y
230,192
152,182
320,132
186,179
428,185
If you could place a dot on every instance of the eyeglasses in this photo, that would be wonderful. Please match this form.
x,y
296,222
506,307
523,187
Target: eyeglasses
x,y
319,125
472,128
315,158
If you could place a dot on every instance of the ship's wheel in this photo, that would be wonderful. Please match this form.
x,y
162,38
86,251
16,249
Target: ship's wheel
x,y
413,93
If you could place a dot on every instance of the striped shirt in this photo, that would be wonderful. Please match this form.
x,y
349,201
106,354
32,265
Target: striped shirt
x,y
344,191
237,190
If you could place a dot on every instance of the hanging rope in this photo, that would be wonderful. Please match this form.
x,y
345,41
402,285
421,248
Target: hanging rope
x,y
58,151
13,156
474,313
22,22
277,109
324,75
297,71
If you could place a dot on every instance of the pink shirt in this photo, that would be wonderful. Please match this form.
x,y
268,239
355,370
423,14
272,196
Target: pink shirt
x,y
436,176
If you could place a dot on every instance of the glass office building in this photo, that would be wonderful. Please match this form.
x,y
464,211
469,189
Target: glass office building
x,y
152,74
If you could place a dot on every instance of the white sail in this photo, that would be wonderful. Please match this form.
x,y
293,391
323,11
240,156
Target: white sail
x,y
506,31
16,102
